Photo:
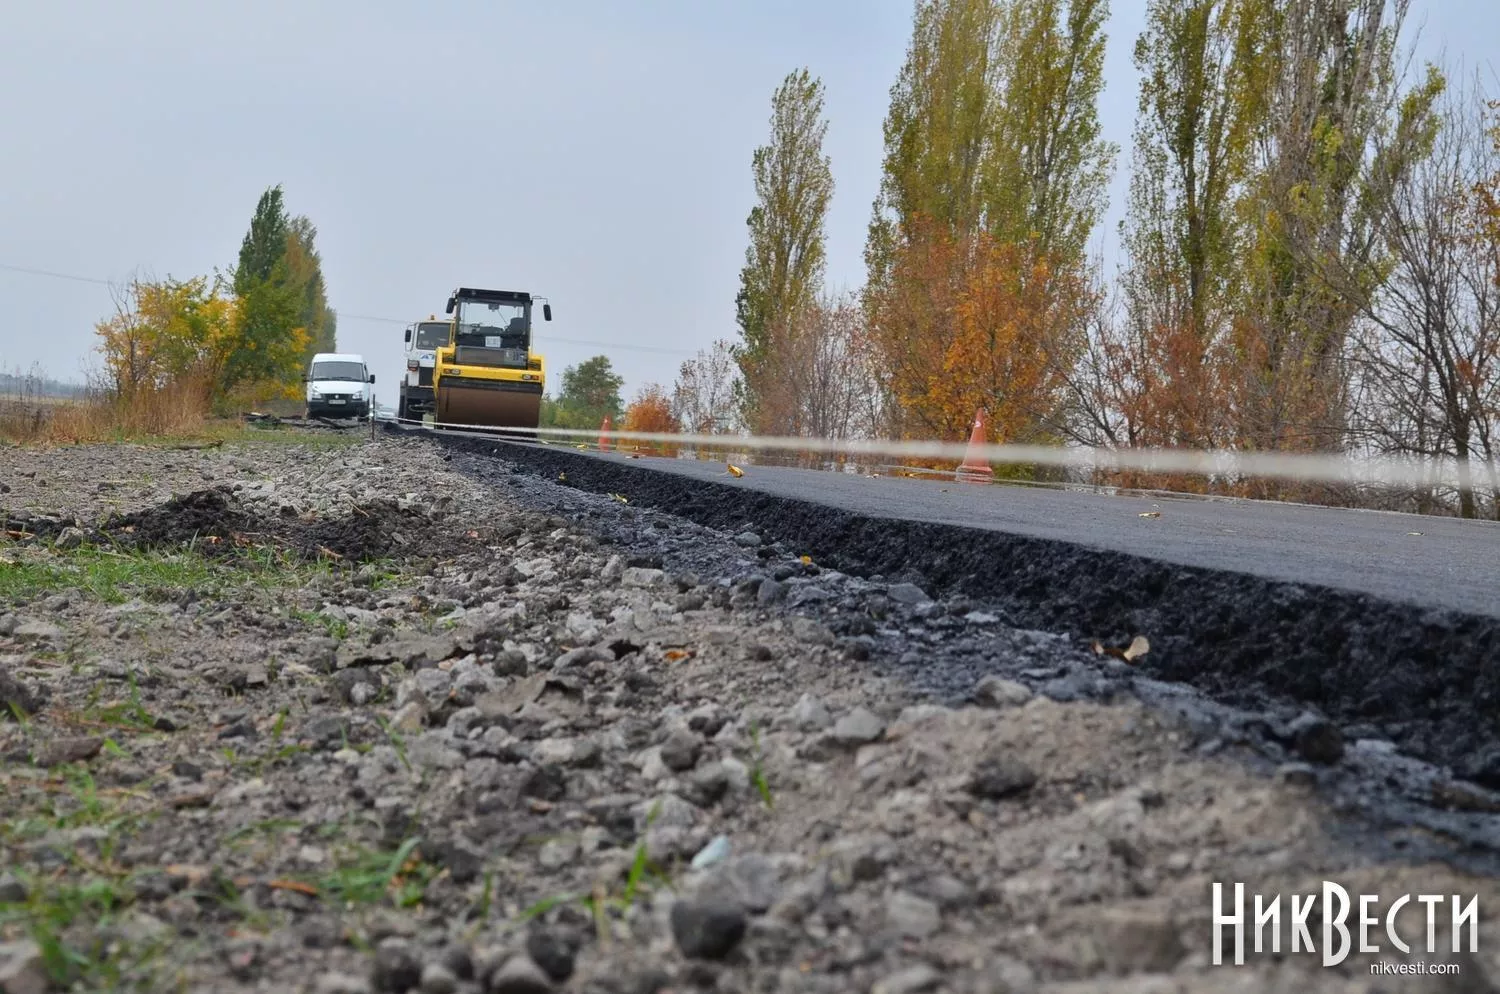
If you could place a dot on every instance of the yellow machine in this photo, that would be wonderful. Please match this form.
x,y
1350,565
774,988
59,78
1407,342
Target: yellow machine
x,y
487,376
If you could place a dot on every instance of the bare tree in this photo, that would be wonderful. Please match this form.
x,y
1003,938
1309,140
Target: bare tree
x,y
1434,361
703,399
828,371
1095,409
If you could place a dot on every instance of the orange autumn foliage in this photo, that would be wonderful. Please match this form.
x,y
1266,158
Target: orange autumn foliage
x,y
1168,386
651,411
968,322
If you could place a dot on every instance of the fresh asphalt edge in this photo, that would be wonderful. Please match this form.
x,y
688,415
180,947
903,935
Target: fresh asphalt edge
x,y
1424,679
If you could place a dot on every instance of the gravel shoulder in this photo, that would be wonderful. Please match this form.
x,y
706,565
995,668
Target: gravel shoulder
x,y
321,714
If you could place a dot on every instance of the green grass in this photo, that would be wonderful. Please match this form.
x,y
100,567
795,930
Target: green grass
x,y
66,920
231,431
369,876
336,628
266,826
105,574
129,715
114,576
66,912
75,803
757,771
640,879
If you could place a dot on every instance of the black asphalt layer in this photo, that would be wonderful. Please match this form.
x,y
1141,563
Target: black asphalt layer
x,y
1443,563
1385,805
1393,635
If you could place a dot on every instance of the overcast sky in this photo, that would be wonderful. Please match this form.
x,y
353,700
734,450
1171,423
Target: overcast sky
x,y
596,152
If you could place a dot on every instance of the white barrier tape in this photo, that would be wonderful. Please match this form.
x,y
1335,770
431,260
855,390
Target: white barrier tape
x,y
1302,467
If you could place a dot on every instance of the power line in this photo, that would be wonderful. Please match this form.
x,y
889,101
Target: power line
x,y
629,347
550,338
56,276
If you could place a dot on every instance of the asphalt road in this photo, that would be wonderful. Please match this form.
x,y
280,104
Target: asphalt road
x,y
1451,563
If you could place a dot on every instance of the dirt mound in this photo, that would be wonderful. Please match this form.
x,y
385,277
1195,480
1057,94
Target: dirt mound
x,y
370,531
216,523
207,519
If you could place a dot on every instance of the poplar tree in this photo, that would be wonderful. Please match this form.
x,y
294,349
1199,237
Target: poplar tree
x,y
785,260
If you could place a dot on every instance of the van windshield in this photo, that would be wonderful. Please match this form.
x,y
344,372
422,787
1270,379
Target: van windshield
x,y
338,371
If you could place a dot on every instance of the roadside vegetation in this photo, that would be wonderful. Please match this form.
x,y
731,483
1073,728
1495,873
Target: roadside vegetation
x,y
700,403
150,418
179,356
115,575
1309,261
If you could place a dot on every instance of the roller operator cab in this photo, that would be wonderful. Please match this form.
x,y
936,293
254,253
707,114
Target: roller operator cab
x,y
339,386
423,339
486,375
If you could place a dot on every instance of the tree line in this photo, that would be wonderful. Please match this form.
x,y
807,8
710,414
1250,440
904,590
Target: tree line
x,y
235,337
1311,247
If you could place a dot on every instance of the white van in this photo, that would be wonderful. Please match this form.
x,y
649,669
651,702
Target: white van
x,y
338,386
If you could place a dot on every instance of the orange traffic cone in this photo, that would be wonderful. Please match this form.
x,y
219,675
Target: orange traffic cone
x,y
974,469
604,434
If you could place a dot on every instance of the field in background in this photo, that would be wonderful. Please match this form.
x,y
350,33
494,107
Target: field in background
x,y
35,410
30,416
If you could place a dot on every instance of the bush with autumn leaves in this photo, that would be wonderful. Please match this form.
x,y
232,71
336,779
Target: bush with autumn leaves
x,y
176,349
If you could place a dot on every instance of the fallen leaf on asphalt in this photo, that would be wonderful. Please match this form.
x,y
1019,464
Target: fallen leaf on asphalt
x,y
674,655
1137,648
1150,514
734,470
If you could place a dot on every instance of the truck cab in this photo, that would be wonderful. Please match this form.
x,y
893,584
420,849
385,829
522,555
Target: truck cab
x,y
423,339
339,386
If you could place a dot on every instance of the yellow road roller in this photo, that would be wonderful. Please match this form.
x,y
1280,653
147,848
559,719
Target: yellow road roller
x,y
487,376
